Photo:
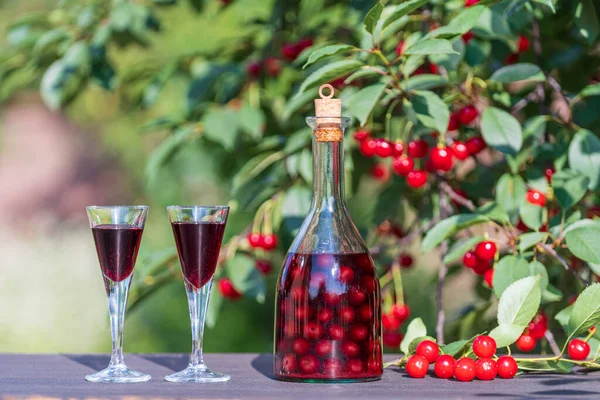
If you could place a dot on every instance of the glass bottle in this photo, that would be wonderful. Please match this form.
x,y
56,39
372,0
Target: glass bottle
x,y
328,308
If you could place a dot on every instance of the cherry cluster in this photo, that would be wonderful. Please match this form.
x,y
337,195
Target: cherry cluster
x,y
266,242
465,369
392,322
480,260
535,331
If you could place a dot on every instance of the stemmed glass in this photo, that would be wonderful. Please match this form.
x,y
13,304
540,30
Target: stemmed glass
x,y
198,234
117,233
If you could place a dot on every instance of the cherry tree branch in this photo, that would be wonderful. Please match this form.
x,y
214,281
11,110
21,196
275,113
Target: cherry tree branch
x,y
463,201
550,338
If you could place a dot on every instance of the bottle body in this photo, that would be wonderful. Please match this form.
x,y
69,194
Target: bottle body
x,y
328,306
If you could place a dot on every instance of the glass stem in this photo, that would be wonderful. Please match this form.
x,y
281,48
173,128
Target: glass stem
x,y
117,303
198,304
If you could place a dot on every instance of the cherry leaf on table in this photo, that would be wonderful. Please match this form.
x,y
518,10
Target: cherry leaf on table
x,y
520,302
586,310
544,366
415,329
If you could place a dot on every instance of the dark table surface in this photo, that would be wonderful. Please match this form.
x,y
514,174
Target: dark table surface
x,y
62,376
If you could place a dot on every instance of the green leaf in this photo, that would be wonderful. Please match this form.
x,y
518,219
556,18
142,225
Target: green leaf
x,y
431,110
547,3
329,72
518,72
245,277
459,248
413,345
401,10
297,101
327,51
535,127
506,334
569,187
494,211
422,82
448,227
372,17
532,215
214,306
254,167
544,366
590,90
415,329
530,239
583,242
510,192
586,310
430,46
252,121
460,24
509,270
501,131
362,103
520,302
166,150
584,156
563,317
221,126
587,20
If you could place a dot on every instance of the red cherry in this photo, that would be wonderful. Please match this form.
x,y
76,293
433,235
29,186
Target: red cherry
x,y
289,363
469,259
397,148
484,346
300,346
355,366
332,366
380,172
304,44
433,68
469,3
441,159
419,71
403,165
390,323
401,312
302,312
475,145
361,135
406,260
536,197
464,369
392,339
417,366
549,172
263,266
429,350
383,148
368,283
359,332
336,332
486,369
346,274
272,67
511,59
313,330
488,277
332,298
466,37
323,347
346,314
482,267
289,51
375,366
228,290
365,312
525,343
507,367
444,366
367,147
253,69
254,239
459,150
486,250
522,44
578,349
324,315
453,123
400,49
467,114
418,148
317,280
356,296
309,364
538,326
416,178
269,242
350,349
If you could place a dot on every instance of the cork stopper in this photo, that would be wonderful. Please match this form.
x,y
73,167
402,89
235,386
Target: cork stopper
x,y
329,116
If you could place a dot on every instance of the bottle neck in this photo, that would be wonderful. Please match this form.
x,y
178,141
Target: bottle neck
x,y
328,174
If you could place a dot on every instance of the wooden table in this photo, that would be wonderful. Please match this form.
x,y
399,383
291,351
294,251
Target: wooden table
x,y
62,376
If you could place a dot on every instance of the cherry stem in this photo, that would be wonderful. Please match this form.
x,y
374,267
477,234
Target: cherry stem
x,y
398,289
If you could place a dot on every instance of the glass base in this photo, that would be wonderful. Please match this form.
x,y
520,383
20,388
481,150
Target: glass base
x,y
118,374
197,374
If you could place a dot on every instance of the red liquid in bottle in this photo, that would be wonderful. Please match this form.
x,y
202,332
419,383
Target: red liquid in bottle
x,y
198,245
117,247
328,312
